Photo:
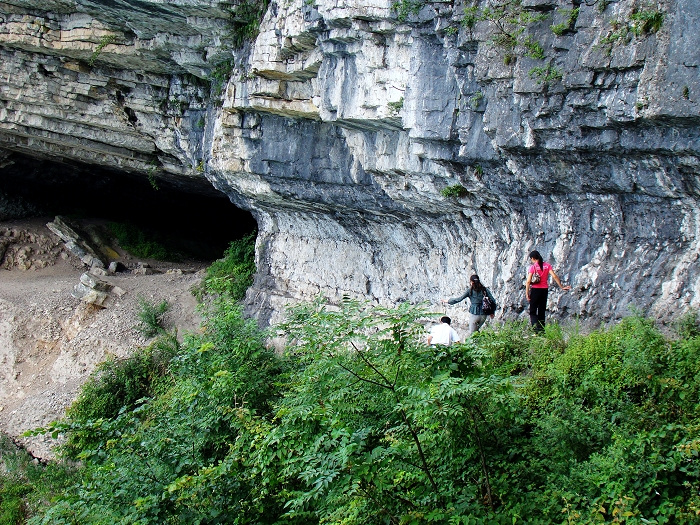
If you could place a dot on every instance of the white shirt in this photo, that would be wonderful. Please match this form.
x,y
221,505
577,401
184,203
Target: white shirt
x,y
443,334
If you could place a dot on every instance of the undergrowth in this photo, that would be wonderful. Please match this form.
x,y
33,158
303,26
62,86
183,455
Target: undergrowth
x,y
231,275
151,317
358,421
141,243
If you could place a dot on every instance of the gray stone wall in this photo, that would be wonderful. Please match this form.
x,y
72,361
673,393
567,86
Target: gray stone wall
x,y
343,122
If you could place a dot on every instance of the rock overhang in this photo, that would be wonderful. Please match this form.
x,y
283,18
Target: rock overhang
x,y
341,127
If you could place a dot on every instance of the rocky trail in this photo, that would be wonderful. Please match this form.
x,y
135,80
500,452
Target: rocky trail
x,y
51,339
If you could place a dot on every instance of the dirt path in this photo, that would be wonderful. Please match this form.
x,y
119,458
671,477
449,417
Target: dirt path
x,y
51,341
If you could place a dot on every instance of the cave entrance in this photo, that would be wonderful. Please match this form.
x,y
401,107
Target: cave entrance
x,y
189,218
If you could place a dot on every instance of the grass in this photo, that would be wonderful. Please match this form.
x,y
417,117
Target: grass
x,y
141,243
151,316
456,191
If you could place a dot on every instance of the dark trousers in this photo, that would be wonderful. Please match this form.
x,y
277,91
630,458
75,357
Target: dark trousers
x,y
538,304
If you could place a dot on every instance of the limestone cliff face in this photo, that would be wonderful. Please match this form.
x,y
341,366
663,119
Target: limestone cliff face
x,y
573,129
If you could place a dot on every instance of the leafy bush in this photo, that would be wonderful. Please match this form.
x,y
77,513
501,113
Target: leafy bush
x,y
116,385
570,16
645,22
163,458
151,317
545,75
233,274
245,18
141,244
395,107
360,422
456,191
26,484
404,8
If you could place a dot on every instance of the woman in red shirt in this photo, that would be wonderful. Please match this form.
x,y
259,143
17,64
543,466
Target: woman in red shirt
x,y
537,288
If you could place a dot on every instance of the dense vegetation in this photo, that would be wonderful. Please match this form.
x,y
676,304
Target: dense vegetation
x,y
359,422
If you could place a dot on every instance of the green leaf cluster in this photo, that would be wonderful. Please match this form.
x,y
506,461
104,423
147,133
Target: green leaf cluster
x,y
645,22
639,24
142,243
456,191
509,21
359,421
151,316
25,484
245,18
231,275
546,74
570,17
405,8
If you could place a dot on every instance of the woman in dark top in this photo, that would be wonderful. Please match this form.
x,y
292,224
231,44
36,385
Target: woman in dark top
x,y
475,293
537,288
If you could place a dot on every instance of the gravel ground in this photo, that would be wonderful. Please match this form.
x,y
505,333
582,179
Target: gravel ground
x,y
50,341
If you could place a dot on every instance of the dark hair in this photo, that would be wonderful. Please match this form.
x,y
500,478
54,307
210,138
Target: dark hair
x,y
445,319
534,254
476,283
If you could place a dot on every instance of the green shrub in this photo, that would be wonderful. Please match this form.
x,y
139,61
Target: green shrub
x,y
545,75
117,384
405,8
570,17
179,454
151,317
245,18
231,275
456,191
220,75
104,42
140,243
395,107
360,418
645,22
25,484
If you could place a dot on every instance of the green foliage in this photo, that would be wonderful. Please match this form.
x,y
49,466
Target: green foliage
x,y
452,30
456,191
151,175
510,21
646,22
233,274
687,326
245,19
379,423
151,317
405,8
533,48
175,455
395,107
104,42
638,24
475,100
470,17
219,76
141,243
116,385
360,422
570,17
545,75
26,484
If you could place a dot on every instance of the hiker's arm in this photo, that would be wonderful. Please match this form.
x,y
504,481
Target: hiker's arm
x,y
556,280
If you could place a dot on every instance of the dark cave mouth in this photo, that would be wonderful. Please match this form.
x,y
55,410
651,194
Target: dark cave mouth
x,y
187,220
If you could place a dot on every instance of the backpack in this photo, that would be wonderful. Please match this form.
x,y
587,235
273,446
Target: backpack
x,y
487,307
